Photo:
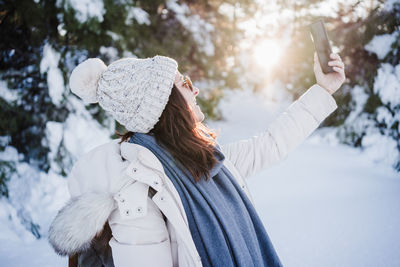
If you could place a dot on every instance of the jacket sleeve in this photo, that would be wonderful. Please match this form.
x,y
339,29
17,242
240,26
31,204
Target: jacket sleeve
x,y
283,135
139,233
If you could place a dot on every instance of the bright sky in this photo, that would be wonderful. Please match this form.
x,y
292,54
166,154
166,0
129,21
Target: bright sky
x,y
261,29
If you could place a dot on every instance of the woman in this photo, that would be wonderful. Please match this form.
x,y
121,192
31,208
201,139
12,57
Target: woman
x,y
167,194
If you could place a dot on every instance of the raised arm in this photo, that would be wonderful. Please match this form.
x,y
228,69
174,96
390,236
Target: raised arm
x,y
294,125
283,135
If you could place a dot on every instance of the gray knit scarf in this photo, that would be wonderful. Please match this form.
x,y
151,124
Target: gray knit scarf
x,y
224,224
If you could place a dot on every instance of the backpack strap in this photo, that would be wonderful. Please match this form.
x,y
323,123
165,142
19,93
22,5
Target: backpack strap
x,y
73,261
152,192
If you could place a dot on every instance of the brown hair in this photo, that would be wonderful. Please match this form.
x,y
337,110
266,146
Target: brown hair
x,y
179,133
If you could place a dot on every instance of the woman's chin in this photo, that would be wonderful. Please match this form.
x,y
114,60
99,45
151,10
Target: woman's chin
x,y
200,116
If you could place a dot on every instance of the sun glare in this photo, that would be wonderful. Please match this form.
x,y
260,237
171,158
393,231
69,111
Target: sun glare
x,y
267,52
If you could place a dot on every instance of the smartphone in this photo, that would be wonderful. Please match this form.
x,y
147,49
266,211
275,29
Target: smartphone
x,y
320,39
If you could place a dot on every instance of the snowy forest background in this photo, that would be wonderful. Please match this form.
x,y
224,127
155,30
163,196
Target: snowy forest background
x,y
219,44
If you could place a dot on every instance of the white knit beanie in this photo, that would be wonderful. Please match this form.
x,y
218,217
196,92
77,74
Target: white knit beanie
x,y
134,91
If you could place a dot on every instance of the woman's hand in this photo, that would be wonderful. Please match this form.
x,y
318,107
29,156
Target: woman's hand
x,y
333,80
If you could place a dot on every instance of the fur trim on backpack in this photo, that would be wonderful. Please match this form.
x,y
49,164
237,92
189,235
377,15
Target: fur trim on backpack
x,y
79,221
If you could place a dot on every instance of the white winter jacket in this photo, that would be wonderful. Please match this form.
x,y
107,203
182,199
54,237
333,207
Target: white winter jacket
x,y
111,183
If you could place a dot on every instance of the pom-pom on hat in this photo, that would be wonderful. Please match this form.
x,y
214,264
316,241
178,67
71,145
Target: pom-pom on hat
x,y
134,91
84,79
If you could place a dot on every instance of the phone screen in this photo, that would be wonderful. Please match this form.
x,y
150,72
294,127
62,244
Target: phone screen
x,y
321,43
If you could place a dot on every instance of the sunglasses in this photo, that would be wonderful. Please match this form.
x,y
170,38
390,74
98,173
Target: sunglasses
x,y
188,82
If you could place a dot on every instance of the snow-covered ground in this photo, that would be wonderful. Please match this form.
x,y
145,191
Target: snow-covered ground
x,y
325,205
330,206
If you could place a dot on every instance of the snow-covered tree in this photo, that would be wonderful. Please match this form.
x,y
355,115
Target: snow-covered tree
x,y
374,88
